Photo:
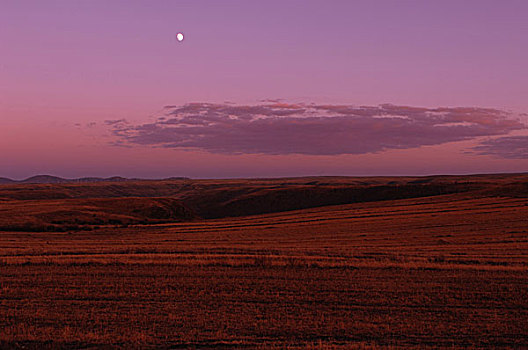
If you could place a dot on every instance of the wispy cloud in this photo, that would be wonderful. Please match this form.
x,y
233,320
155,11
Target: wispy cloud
x,y
115,121
277,127
510,147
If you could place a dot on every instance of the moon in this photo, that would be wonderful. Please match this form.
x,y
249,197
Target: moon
x,y
179,36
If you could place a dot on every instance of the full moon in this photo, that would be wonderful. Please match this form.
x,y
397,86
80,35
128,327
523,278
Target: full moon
x,y
179,36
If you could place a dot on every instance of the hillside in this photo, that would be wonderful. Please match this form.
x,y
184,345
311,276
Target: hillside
x,y
89,213
207,199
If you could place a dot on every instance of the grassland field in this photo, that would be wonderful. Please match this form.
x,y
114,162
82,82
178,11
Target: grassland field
x,y
321,263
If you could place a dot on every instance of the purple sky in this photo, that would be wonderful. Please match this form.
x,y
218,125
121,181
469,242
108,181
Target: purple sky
x,y
68,68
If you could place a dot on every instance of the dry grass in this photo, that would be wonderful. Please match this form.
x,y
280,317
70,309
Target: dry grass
x,y
447,271
59,215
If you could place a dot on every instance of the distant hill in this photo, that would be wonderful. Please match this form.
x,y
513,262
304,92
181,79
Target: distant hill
x,y
49,179
54,203
44,179
4,180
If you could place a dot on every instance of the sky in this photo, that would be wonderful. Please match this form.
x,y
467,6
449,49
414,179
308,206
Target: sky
x,y
262,88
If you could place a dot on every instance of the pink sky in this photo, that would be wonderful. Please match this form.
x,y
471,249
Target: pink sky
x,y
66,67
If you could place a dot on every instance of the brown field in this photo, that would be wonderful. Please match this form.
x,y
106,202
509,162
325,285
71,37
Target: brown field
x,y
330,263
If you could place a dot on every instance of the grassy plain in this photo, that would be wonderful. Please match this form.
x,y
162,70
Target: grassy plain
x,y
443,271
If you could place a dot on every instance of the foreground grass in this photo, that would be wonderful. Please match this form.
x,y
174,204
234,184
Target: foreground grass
x,y
171,305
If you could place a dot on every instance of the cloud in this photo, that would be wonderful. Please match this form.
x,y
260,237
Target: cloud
x,y
115,122
277,127
510,147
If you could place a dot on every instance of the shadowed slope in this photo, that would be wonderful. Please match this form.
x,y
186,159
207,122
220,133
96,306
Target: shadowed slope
x,y
72,214
51,206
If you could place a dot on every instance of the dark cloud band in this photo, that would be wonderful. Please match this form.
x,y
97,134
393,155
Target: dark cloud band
x,y
282,128
510,147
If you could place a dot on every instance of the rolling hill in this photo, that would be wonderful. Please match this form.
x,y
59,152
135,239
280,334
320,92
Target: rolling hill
x,y
35,206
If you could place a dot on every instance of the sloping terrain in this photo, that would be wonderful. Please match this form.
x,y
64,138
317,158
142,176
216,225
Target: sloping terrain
x,y
447,271
41,207
76,214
